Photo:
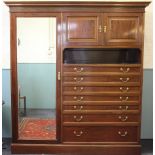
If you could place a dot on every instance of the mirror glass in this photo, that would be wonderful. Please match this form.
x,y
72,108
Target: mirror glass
x,y
36,67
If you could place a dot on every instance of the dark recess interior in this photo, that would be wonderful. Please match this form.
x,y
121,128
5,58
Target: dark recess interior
x,y
101,56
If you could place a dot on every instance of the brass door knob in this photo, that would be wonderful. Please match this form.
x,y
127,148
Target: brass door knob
x,y
100,28
105,29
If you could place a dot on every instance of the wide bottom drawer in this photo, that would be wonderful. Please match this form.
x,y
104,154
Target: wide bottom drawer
x,y
100,134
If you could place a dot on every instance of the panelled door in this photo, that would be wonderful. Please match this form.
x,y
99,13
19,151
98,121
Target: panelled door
x,y
122,28
82,28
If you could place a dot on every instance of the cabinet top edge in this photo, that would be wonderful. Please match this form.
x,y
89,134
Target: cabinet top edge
x,y
75,4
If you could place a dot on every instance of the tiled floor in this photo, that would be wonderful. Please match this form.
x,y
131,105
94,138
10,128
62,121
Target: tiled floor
x,y
147,147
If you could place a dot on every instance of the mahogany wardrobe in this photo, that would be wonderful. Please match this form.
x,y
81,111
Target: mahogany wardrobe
x,y
76,77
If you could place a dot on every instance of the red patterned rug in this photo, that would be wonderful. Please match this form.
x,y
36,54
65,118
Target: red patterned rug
x,y
36,128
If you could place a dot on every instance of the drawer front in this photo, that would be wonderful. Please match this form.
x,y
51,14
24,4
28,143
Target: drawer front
x,y
93,68
100,134
101,118
106,78
95,107
100,89
100,98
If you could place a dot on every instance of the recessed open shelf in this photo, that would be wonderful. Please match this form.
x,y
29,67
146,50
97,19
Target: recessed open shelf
x,y
101,56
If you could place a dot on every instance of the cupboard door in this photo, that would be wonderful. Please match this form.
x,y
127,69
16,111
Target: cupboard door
x,y
82,28
123,28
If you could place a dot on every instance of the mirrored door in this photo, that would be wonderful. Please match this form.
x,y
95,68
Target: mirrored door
x,y
36,67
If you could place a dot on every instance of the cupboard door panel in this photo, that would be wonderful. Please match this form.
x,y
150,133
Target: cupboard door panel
x,y
81,28
123,29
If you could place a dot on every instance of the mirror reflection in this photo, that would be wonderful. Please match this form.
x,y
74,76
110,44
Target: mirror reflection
x,y
36,64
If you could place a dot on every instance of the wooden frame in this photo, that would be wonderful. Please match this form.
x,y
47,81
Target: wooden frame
x,y
14,79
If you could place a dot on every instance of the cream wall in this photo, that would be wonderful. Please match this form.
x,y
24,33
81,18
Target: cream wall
x,y
148,37
148,42
42,40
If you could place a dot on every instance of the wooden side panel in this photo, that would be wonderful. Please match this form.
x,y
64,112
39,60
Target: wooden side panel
x,y
122,29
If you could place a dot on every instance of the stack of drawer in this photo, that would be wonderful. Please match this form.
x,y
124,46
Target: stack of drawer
x,y
101,103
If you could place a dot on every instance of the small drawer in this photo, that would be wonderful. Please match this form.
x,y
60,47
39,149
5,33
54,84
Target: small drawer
x,y
100,134
80,98
107,78
101,107
102,68
100,89
101,118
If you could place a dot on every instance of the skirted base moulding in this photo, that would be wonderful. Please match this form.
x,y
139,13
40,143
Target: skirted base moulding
x,y
76,149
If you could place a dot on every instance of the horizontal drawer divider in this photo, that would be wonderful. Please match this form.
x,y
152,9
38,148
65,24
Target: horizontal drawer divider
x,y
101,74
126,124
101,103
103,93
100,84
101,111
102,65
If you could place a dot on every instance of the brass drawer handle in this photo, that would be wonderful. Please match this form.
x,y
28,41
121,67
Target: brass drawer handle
x,y
124,71
126,98
124,90
78,70
78,134
122,134
125,107
79,80
80,107
75,88
78,119
80,89
123,119
81,98
125,80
